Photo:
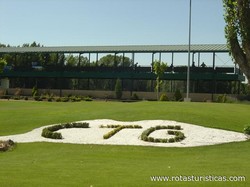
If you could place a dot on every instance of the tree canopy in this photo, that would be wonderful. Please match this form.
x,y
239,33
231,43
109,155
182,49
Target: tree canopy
x,y
2,64
237,32
115,61
159,69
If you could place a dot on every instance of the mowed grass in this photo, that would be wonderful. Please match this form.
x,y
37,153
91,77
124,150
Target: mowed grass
x,y
50,164
23,116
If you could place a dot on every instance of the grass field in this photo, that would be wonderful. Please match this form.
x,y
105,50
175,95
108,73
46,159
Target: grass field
x,y
48,164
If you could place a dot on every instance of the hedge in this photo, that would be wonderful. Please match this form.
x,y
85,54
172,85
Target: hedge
x,y
49,132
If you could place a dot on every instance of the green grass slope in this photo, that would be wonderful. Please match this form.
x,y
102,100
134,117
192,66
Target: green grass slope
x,y
23,116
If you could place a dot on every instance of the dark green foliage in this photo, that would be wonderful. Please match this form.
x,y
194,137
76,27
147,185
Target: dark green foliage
x,y
247,130
114,61
50,99
178,95
237,32
178,135
177,127
88,99
49,132
170,127
150,139
159,69
163,97
177,139
34,91
58,99
80,125
3,63
157,140
118,89
222,98
64,99
117,129
171,132
55,128
171,140
134,96
113,132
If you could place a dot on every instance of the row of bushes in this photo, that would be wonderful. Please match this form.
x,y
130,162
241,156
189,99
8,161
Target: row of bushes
x,y
73,99
49,132
117,129
177,96
178,135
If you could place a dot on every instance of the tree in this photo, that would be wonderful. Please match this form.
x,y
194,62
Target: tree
x,y
237,32
159,69
118,89
2,64
71,61
115,61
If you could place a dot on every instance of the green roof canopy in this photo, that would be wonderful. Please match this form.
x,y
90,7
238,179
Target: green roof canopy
x,y
204,48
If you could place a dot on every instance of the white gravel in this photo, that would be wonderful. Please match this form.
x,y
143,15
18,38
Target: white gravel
x,y
195,135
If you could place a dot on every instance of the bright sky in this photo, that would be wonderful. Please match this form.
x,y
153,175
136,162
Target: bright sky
x,y
110,22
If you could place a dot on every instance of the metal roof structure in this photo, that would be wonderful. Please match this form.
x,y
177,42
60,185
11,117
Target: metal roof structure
x,y
203,48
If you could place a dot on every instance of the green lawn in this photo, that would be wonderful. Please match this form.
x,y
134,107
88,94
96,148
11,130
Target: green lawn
x,y
49,164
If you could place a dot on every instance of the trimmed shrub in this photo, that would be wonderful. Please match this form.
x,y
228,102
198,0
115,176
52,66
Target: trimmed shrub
x,y
178,95
157,140
164,140
163,97
58,99
112,133
117,129
171,140
134,96
178,135
177,139
171,132
150,139
247,130
222,98
88,99
49,132
34,91
118,89
177,127
170,127
64,99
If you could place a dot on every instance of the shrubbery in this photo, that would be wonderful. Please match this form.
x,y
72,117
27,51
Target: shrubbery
x,y
117,129
49,132
247,130
134,96
118,89
178,95
163,97
222,98
178,135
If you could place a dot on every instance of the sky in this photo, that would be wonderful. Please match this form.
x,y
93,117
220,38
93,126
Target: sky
x,y
111,22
